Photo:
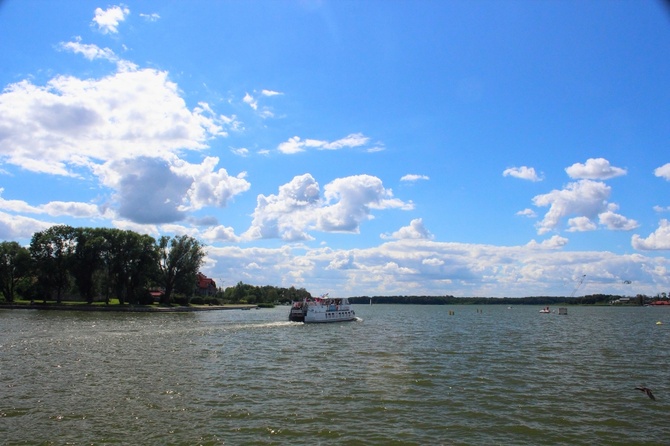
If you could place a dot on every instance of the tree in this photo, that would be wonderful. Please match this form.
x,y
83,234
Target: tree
x,y
179,259
86,259
14,265
51,250
130,261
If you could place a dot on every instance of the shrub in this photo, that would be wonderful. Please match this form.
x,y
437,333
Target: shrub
x,y
198,300
182,300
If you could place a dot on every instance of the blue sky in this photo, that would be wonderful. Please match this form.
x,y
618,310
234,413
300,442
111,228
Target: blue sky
x,y
358,148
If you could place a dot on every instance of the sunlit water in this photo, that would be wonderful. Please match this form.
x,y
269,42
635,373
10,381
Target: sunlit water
x,y
401,375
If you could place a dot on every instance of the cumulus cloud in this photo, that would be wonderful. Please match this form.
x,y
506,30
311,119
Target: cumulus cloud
x,y
53,208
295,144
663,171
220,233
413,177
71,122
415,230
349,202
438,268
14,227
154,190
582,198
555,242
288,214
527,213
657,240
147,190
581,224
128,129
594,169
299,208
209,186
614,221
108,19
523,172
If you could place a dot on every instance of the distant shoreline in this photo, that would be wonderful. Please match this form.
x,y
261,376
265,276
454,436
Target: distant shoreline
x,y
124,308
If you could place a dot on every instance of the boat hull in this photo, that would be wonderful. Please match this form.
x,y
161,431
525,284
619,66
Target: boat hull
x,y
322,310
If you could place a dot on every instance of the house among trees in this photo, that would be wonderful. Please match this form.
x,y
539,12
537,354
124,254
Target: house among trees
x,y
205,286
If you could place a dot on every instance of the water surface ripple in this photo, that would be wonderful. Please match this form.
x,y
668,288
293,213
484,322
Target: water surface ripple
x,y
402,375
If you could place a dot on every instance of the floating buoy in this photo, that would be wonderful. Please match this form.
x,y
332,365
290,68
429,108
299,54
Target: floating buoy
x,y
659,323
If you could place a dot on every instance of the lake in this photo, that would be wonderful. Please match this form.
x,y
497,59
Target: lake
x,y
401,375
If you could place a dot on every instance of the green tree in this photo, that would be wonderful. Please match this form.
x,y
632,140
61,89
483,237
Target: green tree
x,y
87,259
14,265
179,259
130,263
50,251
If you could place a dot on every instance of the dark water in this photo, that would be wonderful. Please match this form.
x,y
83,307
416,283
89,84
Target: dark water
x,y
401,375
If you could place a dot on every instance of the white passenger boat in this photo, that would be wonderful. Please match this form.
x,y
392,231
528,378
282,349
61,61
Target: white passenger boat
x,y
322,309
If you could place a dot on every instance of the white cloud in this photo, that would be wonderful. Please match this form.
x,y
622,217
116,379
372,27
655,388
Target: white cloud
x,y
415,230
523,172
298,207
663,171
243,152
53,208
292,146
296,145
581,224
248,99
252,101
288,214
210,187
89,51
594,169
437,268
527,213
582,198
108,19
153,17
661,208
220,233
413,177
614,221
72,122
271,93
15,227
555,242
154,190
657,240
349,201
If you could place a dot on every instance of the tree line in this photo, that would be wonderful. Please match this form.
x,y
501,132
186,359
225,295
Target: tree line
x,y
594,299
99,262
262,295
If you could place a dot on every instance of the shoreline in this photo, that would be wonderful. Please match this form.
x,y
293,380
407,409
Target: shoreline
x,y
125,308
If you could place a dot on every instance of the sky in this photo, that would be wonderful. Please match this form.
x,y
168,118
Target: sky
x,y
467,148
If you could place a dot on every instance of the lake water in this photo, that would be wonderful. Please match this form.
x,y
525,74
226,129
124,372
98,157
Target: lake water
x,y
401,375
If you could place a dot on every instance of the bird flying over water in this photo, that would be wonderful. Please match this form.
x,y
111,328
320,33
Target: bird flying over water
x,y
647,391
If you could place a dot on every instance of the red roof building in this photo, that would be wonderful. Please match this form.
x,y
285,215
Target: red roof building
x,y
204,285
